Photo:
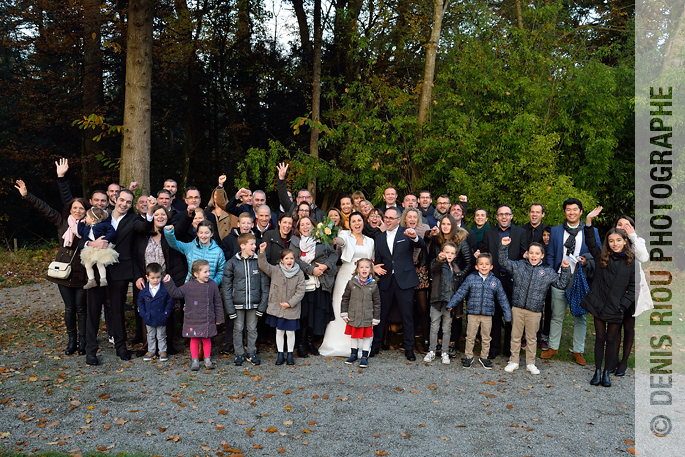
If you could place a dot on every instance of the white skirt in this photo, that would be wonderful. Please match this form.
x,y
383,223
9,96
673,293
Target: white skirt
x,y
106,257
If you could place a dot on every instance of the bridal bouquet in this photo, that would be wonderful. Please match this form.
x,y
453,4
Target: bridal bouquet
x,y
326,231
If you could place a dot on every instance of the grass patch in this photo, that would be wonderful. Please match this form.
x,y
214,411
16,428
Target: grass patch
x,y
25,266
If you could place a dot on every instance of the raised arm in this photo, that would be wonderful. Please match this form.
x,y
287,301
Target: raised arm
x,y
283,198
591,242
52,215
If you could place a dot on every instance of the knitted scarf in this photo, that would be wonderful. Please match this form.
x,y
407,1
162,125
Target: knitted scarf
x,y
71,232
570,243
289,272
479,232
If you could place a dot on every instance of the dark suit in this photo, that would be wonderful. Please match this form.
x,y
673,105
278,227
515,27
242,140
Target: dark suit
x,y
118,277
534,234
397,284
517,247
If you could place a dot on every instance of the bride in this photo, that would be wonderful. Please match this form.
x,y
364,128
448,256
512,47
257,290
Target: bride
x,y
355,246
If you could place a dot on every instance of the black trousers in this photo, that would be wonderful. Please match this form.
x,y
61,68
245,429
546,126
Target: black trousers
x,y
404,298
497,345
74,310
117,299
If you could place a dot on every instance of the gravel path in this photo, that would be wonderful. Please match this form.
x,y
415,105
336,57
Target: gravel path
x,y
319,407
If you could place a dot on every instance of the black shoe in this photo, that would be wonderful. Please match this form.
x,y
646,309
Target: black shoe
x,y
71,346
171,349
280,360
606,382
426,346
364,362
141,353
353,357
385,346
438,349
487,364
82,345
92,360
124,355
620,370
374,351
289,359
309,345
466,362
301,351
597,377
409,354
452,351
253,359
227,349
239,360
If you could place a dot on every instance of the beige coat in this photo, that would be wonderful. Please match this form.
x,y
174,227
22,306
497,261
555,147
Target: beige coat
x,y
282,289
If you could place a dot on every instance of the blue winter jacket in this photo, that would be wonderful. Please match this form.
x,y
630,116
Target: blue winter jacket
x,y
195,250
480,296
532,282
155,310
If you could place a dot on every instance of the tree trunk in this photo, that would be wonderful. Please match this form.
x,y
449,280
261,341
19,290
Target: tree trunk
x,y
135,148
439,8
519,14
92,87
316,92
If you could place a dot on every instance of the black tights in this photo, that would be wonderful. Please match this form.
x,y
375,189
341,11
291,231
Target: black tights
x,y
605,343
628,327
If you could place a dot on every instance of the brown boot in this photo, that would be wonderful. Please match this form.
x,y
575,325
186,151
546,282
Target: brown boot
x,y
548,354
580,360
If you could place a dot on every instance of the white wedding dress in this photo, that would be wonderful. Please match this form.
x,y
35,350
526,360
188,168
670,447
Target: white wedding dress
x,y
335,342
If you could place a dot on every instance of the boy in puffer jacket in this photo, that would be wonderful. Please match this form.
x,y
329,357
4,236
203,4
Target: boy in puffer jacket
x,y
532,279
245,290
482,289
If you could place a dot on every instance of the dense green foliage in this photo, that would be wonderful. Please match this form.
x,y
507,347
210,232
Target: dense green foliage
x,y
537,113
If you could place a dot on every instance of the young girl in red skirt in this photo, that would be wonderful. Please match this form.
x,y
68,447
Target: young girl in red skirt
x,y
360,308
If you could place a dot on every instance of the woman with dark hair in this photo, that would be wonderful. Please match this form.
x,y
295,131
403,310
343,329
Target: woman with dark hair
x,y
317,261
644,298
154,248
278,239
611,295
346,208
374,225
71,287
448,230
336,216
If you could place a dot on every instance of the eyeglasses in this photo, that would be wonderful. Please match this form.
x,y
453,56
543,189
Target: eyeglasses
x,y
504,214
388,218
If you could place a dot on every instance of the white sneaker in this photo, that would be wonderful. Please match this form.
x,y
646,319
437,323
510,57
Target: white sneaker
x,y
111,340
429,357
532,368
445,358
511,367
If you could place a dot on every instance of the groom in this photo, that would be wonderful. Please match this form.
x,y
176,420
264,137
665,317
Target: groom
x,y
398,278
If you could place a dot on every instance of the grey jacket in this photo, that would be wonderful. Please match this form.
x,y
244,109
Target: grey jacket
x,y
325,255
282,289
361,304
531,282
244,286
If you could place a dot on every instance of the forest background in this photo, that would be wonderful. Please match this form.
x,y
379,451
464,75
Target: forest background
x,y
529,101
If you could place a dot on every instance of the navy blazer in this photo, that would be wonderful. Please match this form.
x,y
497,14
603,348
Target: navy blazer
x,y
556,249
401,261
155,310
